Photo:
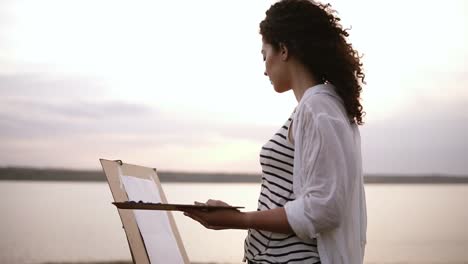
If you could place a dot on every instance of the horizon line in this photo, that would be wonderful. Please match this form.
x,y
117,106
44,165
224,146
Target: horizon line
x,y
244,173
37,174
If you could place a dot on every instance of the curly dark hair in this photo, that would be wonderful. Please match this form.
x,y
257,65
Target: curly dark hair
x,y
312,33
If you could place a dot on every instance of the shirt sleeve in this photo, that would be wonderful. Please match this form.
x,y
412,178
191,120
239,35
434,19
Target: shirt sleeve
x,y
320,167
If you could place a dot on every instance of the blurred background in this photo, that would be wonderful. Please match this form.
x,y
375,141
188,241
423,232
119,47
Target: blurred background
x,y
179,85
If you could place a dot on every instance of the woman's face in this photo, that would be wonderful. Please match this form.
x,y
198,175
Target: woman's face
x,y
275,67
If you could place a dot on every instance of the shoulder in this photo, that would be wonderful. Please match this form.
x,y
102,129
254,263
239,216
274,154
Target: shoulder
x,y
320,101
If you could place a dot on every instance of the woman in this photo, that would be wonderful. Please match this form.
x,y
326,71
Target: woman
x,y
312,202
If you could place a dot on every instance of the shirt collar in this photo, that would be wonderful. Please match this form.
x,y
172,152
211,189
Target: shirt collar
x,y
323,88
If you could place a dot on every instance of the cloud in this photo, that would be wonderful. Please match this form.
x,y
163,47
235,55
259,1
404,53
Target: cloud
x,y
29,119
430,138
46,87
37,106
41,127
32,118
53,122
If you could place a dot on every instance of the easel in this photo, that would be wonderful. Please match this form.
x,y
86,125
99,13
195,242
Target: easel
x,y
114,169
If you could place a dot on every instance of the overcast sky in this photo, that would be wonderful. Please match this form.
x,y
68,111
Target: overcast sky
x,y
179,85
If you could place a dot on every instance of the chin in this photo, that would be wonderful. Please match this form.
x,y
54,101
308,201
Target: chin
x,y
280,89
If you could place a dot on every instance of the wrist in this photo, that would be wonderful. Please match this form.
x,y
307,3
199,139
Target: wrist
x,y
246,221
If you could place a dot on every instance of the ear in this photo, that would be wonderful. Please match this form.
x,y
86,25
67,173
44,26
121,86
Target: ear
x,y
284,52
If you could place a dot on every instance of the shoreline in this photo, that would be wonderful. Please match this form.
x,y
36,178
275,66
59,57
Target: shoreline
x,y
36,174
117,262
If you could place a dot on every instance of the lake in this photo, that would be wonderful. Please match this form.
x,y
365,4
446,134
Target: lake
x,y
75,221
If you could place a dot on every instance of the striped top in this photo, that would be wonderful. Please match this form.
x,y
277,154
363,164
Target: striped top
x,y
276,159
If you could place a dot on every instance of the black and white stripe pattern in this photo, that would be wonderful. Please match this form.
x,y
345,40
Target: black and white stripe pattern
x,y
277,159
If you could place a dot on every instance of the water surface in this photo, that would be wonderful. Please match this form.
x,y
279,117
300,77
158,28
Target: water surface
x,y
75,221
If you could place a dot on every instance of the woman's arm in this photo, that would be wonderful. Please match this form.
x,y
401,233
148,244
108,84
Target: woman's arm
x,y
273,220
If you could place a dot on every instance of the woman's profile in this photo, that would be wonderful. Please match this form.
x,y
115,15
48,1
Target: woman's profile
x,y
312,206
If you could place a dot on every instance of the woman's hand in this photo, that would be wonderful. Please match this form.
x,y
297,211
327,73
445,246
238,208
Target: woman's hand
x,y
218,219
273,220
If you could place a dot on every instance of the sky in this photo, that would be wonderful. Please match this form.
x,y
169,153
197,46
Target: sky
x,y
179,85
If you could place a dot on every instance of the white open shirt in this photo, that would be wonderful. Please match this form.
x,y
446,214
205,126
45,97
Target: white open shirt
x,y
328,183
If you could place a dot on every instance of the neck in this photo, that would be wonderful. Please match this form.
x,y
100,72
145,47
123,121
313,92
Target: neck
x,y
301,80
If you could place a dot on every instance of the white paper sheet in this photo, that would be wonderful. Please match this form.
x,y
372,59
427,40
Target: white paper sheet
x,y
154,226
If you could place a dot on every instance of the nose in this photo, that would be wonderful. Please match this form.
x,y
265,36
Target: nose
x,y
265,73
